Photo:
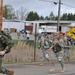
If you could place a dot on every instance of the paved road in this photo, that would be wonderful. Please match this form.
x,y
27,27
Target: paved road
x,y
34,69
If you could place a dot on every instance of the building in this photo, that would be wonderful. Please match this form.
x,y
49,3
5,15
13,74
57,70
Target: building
x,y
12,24
38,26
50,26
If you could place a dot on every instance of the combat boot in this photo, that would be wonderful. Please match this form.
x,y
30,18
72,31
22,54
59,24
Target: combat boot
x,y
63,69
11,72
41,64
52,69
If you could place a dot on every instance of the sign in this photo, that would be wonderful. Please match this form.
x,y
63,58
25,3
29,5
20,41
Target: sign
x,y
71,33
49,28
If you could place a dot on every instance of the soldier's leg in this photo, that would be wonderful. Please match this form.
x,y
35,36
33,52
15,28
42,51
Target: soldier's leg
x,y
4,70
52,65
52,57
41,57
61,61
46,55
66,55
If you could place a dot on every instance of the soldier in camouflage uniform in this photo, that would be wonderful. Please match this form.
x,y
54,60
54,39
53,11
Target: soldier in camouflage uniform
x,y
5,47
43,46
57,50
66,49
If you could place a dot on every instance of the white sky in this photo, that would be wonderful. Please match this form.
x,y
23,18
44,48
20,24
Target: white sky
x,y
42,7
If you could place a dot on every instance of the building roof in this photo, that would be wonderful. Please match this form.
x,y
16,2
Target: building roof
x,y
49,21
39,21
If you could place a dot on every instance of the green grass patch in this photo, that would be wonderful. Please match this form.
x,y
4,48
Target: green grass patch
x,y
72,48
72,59
16,41
37,44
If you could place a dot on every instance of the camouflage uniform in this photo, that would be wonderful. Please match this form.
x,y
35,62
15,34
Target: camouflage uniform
x,y
5,45
44,47
57,50
66,49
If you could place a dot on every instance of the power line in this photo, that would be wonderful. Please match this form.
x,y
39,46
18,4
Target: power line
x,y
49,1
46,1
57,3
68,5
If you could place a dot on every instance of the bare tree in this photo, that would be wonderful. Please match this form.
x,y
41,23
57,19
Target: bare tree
x,y
21,13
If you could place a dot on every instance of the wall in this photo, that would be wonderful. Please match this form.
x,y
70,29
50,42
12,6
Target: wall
x,y
16,25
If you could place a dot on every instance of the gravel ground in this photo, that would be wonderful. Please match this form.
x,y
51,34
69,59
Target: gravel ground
x,y
15,36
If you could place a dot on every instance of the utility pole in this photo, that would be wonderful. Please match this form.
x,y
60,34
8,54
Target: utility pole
x,y
58,24
35,42
59,6
1,9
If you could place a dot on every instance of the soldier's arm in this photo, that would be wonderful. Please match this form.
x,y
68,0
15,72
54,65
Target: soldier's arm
x,y
9,46
61,43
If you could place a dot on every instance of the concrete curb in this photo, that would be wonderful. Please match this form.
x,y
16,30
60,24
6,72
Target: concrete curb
x,y
35,63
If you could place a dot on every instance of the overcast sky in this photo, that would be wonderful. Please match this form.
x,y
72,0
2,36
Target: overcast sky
x,y
42,7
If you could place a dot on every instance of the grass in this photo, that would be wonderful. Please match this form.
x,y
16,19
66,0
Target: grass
x,y
37,44
73,59
24,53
72,48
15,42
21,52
